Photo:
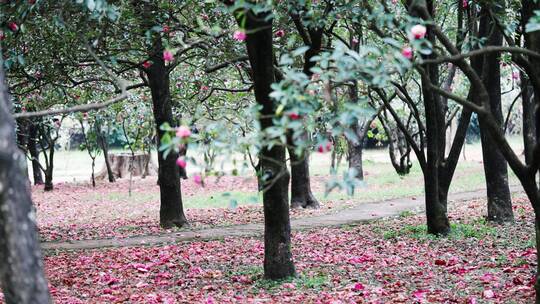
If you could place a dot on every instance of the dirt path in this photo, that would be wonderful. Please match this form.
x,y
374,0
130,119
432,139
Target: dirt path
x,y
362,213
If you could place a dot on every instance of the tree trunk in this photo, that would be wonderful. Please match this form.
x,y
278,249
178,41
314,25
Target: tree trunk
x,y
21,270
104,145
34,154
356,146
301,195
278,262
171,211
495,166
436,210
123,164
49,169
355,157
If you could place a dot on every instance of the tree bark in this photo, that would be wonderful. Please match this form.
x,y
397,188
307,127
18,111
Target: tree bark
x,y
436,210
278,262
104,145
49,169
301,194
171,210
495,166
21,270
34,154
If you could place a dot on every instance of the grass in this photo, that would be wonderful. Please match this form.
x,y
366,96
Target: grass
x,y
381,181
475,230
230,199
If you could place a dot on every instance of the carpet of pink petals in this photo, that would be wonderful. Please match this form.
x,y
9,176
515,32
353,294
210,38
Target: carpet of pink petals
x,y
381,262
78,211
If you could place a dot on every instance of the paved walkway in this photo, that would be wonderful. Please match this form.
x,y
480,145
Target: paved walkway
x,y
362,213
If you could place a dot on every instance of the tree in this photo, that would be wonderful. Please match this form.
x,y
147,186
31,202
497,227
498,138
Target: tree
x,y
495,166
21,270
278,262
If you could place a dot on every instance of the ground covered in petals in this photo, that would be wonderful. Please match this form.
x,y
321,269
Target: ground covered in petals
x,y
389,261
77,212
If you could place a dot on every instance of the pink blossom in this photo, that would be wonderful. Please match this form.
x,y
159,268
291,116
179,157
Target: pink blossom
x,y
181,162
147,64
407,52
168,56
358,287
488,294
166,29
323,148
294,116
13,26
239,35
280,33
197,179
515,75
418,31
465,3
183,132
2,35
420,295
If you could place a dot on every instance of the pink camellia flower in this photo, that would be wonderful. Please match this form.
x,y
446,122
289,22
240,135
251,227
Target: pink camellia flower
x,y
239,35
358,287
323,148
418,31
183,132
280,33
168,56
13,26
488,294
294,116
147,64
166,29
465,3
197,179
2,35
407,52
181,162
204,17
204,88
23,109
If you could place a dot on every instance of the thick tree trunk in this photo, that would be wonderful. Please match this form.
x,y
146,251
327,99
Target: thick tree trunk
x,y
21,269
123,165
356,150
171,210
436,210
355,147
495,166
278,263
34,154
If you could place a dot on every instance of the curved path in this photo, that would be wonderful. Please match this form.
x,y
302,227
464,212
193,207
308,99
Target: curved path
x,y
362,213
